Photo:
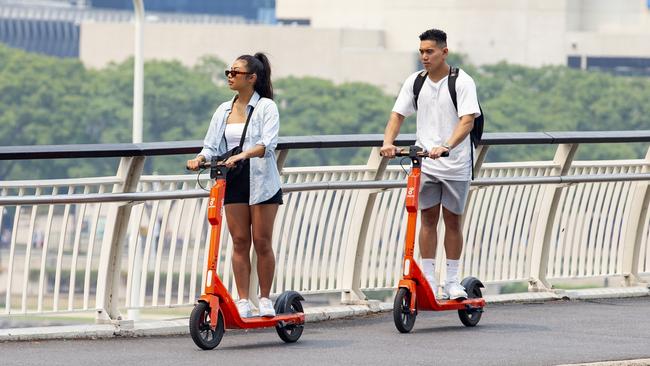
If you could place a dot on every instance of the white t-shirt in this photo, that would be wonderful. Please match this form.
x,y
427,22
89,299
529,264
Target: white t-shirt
x,y
233,134
436,120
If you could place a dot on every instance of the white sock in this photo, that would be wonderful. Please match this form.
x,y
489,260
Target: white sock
x,y
429,271
452,270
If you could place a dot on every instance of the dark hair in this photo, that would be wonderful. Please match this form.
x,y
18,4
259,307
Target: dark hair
x,y
440,37
259,64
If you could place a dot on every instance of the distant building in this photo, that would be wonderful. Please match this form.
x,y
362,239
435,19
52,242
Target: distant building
x,y
607,35
260,11
52,27
373,41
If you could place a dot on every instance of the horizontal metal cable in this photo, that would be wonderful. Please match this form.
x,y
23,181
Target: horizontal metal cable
x,y
302,187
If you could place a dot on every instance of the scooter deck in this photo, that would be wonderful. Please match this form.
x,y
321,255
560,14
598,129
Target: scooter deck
x,y
264,321
426,300
232,320
456,304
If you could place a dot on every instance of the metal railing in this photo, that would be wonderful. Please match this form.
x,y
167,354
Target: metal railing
x,y
128,241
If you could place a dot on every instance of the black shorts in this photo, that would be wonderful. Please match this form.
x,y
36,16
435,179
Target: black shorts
x,y
238,188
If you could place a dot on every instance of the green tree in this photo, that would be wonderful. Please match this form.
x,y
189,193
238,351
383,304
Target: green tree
x,y
45,100
553,98
311,106
41,100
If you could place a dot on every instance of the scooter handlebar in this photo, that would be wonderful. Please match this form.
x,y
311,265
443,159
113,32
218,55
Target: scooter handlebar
x,y
206,165
422,153
202,165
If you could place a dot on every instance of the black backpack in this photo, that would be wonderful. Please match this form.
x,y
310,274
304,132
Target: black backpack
x,y
477,132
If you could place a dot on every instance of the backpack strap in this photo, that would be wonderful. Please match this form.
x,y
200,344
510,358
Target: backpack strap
x,y
451,83
417,86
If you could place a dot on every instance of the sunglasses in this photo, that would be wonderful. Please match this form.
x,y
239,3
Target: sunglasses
x,y
234,73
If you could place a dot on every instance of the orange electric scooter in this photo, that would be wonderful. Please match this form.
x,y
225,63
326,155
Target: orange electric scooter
x,y
414,293
215,310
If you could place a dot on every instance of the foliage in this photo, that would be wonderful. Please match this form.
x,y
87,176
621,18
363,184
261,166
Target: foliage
x,y
45,100
554,98
310,106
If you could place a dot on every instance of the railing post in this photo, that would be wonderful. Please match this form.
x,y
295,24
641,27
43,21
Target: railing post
x,y
545,216
479,158
636,219
117,222
481,153
280,159
364,205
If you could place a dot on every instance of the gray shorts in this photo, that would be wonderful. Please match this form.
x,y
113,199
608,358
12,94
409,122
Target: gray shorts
x,y
451,193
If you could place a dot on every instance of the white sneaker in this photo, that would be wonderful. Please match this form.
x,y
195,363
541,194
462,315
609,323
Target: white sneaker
x,y
455,291
266,307
244,308
432,283
440,295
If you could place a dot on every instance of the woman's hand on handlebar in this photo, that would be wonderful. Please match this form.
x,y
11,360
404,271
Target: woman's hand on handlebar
x,y
388,151
194,164
438,152
231,161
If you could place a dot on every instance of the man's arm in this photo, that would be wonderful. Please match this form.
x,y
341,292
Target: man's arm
x,y
461,131
390,133
465,126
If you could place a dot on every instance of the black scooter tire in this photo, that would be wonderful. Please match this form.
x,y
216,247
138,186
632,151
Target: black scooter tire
x,y
202,335
404,319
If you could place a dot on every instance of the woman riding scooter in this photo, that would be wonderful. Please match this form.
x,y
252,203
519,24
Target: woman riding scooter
x,y
244,132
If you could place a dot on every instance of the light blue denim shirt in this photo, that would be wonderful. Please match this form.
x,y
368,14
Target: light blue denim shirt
x,y
263,129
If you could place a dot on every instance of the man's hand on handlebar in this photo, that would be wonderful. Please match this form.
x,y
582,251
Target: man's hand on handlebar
x,y
388,151
438,152
194,164
391,151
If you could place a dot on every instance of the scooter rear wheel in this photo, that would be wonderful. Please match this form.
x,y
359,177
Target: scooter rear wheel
x,y
289,302
202,335
404,319
471,317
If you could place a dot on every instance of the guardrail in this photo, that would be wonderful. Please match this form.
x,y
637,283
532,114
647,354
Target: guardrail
x,y
130,242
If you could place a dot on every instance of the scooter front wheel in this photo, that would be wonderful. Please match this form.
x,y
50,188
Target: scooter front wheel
x,y
404,318
202,335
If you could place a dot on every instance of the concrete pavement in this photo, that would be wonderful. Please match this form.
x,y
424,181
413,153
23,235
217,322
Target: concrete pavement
x,y
510,333
312,314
